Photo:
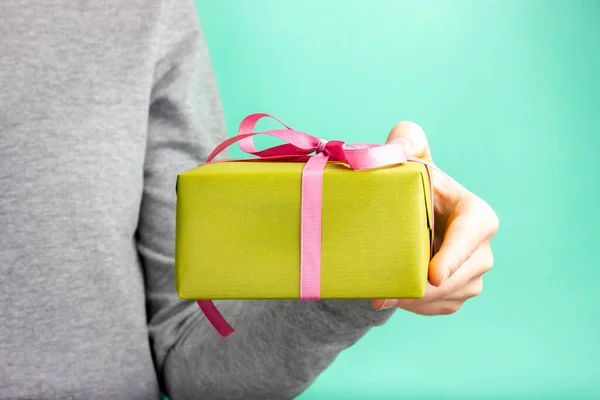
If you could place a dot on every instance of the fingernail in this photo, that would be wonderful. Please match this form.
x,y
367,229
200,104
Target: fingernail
x,y
388,303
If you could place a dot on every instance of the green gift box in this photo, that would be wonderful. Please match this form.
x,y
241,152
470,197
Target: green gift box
x,y
242,228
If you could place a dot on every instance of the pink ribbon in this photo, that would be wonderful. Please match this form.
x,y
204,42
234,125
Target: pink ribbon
x,y
298,147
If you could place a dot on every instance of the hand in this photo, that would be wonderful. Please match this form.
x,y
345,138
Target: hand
x,y
464,227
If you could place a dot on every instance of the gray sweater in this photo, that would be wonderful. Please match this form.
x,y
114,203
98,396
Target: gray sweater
x,y
102,104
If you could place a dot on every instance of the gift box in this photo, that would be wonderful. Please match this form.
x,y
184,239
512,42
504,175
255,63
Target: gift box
x,y
291,225
238,231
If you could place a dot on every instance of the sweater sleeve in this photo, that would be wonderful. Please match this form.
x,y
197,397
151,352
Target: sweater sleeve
x,y
279,347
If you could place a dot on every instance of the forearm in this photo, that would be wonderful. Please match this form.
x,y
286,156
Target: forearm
x,y
279,348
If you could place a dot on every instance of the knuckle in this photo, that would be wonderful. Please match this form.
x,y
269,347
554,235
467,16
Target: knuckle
x,y
488,263
488,217
493,220
475,289
485,262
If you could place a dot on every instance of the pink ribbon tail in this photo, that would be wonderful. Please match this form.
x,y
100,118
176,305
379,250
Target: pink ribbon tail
x,y
215,318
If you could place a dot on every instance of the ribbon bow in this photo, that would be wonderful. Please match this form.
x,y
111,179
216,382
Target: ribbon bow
x,y
298,147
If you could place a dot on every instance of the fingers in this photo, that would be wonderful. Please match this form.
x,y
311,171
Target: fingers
x,y
450,304
466,283
445,307
467,276
472,222
413,137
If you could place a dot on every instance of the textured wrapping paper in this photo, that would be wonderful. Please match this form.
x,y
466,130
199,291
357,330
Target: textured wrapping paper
x,y
309,219
238,233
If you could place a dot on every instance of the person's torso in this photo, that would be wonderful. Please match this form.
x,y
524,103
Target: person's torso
x,y
75,81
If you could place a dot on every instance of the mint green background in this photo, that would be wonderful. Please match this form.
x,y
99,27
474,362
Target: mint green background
x,y
509,94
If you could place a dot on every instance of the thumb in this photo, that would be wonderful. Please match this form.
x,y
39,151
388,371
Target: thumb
x,y
412,137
